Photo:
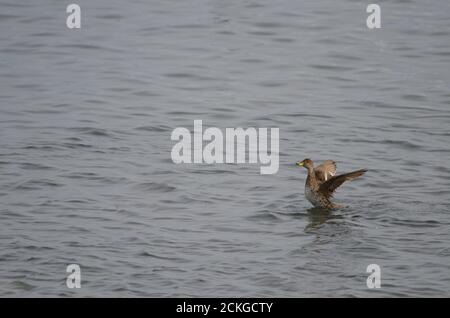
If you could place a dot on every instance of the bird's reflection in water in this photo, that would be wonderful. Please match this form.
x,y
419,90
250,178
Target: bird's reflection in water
x,y
318,216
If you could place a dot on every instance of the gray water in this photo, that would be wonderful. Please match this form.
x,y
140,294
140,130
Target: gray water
x,y
86,175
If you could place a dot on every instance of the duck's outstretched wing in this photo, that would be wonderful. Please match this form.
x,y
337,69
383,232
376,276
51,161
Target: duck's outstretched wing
x,y
325,171
328,187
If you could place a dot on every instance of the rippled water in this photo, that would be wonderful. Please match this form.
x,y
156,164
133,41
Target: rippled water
x,y
86,175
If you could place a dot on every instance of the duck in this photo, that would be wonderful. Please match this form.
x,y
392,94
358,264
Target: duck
x,y
322,182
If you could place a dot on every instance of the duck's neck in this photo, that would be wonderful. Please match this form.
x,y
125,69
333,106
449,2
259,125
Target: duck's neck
x,y
311,173
312,178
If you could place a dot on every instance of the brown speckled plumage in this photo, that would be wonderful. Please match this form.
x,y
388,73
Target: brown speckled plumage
x,y
322,182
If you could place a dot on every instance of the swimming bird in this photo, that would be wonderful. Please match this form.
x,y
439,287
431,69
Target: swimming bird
x,y
322,182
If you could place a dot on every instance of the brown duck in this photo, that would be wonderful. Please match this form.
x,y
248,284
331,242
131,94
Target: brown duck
x,y
322,182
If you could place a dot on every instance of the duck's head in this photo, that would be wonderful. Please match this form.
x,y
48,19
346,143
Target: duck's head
x,y
306,163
